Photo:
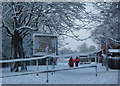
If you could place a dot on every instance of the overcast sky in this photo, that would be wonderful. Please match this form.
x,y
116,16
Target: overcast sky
x,y
82,34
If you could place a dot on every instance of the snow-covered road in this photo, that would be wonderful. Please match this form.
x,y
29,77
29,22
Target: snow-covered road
x,y
78,76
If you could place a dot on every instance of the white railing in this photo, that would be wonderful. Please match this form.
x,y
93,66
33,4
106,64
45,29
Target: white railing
x,y
54,56
37,58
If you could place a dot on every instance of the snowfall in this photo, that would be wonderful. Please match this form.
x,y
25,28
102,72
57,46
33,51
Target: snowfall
x,y
75,76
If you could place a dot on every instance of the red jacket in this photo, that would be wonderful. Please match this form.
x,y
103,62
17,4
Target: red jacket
x,y
77,59
70,59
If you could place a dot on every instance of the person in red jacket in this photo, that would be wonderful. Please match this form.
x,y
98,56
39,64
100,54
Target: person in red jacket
x,y
76,61
71,64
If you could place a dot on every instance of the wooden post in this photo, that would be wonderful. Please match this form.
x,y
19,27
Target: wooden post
x,y
102,57
96,63
53,64
63,60
37,66
47,68
98,58
89,60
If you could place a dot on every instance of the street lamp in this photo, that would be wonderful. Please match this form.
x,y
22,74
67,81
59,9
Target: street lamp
x,y
106,53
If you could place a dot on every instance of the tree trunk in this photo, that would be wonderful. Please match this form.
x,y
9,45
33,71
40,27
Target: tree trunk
x,y
21,55
17,49
14,65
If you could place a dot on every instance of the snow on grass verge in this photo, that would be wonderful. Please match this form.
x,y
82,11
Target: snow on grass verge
x,y
77,76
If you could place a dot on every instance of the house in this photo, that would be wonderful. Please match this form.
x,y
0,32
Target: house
x,y
112,62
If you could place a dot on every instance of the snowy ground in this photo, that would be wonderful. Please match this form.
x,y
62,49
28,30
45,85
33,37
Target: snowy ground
x,y
77,76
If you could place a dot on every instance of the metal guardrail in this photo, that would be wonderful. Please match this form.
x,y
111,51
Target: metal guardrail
x,y
47,71
36,58
47,56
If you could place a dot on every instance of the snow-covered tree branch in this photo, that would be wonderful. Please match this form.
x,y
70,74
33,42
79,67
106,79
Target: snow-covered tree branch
x,y
23,18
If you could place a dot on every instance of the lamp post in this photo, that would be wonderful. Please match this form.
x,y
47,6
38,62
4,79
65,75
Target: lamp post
x,y
106,53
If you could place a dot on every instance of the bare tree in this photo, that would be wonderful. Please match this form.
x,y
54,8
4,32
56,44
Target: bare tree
x,y
83,48
92,48
22,18
66,51
108,23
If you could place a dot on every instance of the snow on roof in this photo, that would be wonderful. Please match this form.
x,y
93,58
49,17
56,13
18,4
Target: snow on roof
x,y
114,50
114,57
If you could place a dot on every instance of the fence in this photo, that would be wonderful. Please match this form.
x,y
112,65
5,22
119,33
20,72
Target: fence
x,y
54,70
